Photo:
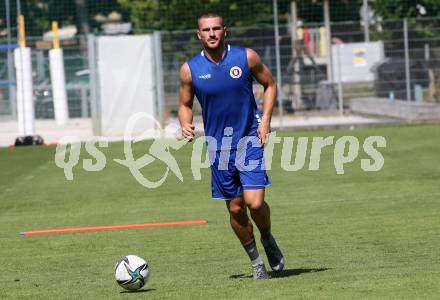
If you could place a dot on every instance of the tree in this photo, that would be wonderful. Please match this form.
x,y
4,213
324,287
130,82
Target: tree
x,y
181,14
399,9
40,13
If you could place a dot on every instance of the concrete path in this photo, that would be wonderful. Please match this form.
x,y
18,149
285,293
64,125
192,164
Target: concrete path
x,y
82,128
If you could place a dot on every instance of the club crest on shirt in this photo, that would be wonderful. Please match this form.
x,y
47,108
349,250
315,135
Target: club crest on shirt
x,y
235,72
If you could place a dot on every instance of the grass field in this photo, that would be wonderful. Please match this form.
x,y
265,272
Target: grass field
x,y
357,235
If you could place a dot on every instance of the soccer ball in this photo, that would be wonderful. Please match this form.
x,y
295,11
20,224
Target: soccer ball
x,y
131,272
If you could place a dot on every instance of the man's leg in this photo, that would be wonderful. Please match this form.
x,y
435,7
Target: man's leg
x,y
260,213
239,219
243,228
260,210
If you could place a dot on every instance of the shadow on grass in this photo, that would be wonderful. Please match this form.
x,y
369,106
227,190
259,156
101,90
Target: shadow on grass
x,y
138,291
284,273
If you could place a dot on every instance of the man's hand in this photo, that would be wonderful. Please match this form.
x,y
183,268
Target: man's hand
x,y
188,131
263,131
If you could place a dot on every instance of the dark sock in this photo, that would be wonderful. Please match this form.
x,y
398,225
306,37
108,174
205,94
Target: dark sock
x,y
252,251
266,234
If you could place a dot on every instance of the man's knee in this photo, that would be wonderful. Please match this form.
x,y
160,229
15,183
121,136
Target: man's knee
x,y
237,210
255,204
236,207
254,199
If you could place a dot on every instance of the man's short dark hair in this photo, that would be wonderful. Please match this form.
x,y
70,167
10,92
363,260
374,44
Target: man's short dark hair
x,y
208,14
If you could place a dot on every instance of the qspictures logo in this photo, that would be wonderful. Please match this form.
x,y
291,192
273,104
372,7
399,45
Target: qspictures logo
x,y
165,145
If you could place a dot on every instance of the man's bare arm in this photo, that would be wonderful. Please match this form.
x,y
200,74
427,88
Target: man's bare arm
x,y
186,98
262,74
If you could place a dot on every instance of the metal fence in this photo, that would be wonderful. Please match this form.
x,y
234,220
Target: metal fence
x,y
77,79
410,69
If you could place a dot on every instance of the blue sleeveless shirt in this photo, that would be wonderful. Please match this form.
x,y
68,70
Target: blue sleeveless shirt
x,y
224,91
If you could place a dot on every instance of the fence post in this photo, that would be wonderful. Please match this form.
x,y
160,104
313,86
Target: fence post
x,y
366,21
278,63
340,93
295,55
329,41
160,98
10,58
95,103
407,75
84,102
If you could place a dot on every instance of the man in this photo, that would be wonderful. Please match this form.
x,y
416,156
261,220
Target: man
x,y
221,77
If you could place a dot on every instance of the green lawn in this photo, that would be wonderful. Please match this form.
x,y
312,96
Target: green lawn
x,y
357,235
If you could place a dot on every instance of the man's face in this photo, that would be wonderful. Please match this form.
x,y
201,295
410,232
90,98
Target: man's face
x,y
211,32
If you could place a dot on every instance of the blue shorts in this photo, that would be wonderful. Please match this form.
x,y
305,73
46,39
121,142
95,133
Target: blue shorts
x,y
233,171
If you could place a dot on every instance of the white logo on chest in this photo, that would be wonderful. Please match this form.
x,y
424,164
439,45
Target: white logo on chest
x,y
235,72
205,76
